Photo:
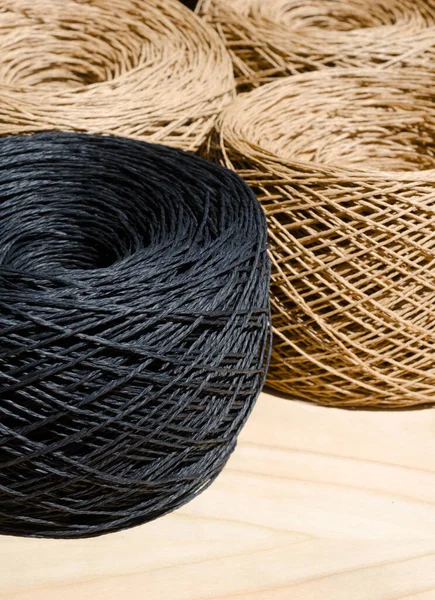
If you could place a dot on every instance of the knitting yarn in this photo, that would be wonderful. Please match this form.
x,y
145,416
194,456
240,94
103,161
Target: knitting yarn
x,y
276,38
145,69
343,164
134,329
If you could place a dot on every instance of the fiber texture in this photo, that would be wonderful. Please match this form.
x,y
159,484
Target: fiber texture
x,y
275,38
343,163
134,329
145,69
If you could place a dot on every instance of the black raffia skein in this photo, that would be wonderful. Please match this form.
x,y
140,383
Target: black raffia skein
x,y
134,329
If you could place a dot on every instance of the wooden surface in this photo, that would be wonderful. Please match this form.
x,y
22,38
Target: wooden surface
x,y
315,504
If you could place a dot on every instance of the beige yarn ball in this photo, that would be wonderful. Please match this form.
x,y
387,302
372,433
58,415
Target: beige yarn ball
x,y
276,38
146,69
343,163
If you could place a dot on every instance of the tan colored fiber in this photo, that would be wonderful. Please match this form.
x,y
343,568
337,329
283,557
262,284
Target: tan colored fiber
x,y
275,38
343,162
146,69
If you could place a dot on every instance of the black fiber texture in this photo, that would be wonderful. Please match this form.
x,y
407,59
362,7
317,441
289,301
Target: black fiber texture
x,y
134,329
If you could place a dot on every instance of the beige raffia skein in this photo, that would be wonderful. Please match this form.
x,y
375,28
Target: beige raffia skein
x,y
343,162
275,38
145,69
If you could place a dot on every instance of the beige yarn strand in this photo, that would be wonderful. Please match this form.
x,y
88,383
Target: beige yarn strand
x,y
343,163
146,69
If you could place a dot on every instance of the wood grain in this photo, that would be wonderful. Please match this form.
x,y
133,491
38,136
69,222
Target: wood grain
x,y
315,504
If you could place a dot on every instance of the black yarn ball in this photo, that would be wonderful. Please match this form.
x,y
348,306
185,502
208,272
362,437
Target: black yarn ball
x,y
134,329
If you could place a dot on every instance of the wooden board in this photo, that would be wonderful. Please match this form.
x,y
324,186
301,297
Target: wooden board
x,y
315,504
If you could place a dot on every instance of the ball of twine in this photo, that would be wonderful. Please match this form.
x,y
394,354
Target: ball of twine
x,y
134,329
343,163
276,38
145,69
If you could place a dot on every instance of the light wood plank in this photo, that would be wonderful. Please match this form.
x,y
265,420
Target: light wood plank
x,y
315,504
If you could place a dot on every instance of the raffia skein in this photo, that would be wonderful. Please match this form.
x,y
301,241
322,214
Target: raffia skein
x,y
134,329
343,163
145,69
278,38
